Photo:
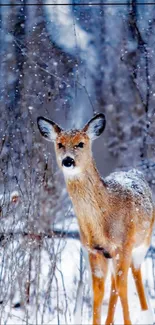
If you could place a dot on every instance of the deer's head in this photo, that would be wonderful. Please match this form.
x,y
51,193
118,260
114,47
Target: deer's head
x,y
73,147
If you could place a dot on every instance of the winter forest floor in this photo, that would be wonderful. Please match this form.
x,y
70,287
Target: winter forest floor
x,y
55,301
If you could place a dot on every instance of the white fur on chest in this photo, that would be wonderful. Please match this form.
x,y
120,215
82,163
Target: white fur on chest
x,y
72,172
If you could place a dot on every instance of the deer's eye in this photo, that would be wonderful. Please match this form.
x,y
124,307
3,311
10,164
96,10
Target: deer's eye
x,y
80,145
60,145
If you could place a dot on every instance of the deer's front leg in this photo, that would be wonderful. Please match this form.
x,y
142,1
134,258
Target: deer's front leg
x,y
99,268
112,302
121,275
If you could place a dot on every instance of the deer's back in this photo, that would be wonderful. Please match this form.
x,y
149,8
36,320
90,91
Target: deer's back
x,y
131,185
130,201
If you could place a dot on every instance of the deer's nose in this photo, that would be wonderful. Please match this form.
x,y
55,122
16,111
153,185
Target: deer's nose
x,y
68,162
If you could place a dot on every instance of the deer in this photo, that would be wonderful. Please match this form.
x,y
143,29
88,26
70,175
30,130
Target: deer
x,y
115,215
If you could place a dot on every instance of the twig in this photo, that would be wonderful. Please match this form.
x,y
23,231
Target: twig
x,y
39,236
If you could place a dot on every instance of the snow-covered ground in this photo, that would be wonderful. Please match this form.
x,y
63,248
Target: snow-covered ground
x,y
60,297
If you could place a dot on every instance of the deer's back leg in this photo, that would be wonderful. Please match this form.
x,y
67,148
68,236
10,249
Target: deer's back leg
x,y
99,267
138,256
139,286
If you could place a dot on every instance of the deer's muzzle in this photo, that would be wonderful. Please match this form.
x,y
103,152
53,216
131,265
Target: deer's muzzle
x,y
68,162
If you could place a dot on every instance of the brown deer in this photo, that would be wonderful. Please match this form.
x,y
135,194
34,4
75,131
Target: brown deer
x,y
115,214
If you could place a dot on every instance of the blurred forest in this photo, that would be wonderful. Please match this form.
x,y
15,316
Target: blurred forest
x,y
66,63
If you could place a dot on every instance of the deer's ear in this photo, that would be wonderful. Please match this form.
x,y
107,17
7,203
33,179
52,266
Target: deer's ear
x,y
95,126
48,128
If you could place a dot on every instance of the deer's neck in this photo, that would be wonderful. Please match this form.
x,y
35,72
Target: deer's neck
x,y
87,191
90,201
